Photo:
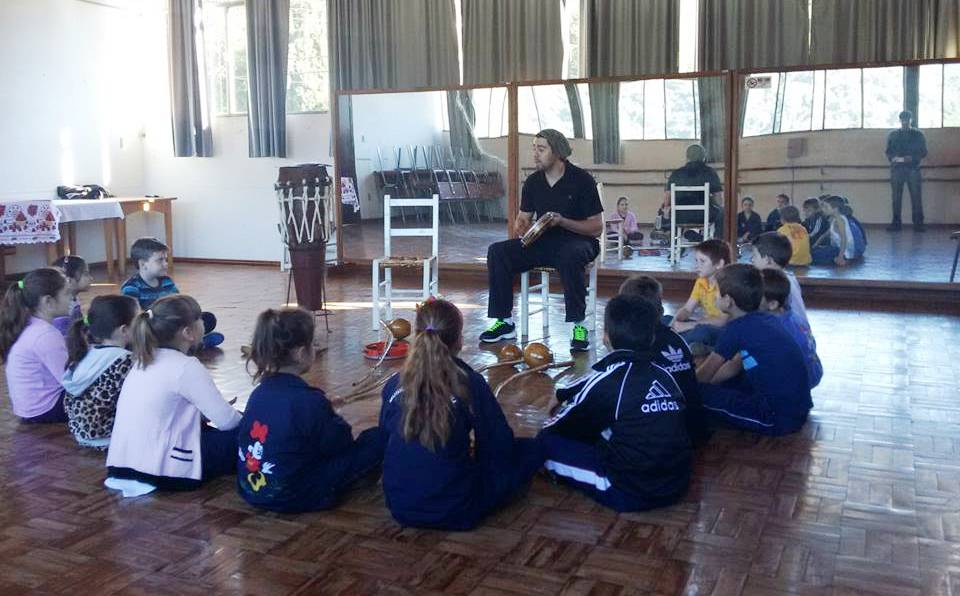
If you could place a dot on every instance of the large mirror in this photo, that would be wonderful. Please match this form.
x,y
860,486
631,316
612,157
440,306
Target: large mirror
x,y
415,145
636,138
874,188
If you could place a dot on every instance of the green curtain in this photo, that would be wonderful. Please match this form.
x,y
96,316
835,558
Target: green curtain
x,y
713,128
268,27
393,44
463,119
605,116
631,37
511,40
576,110
752,33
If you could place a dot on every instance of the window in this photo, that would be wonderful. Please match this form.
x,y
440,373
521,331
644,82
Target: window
x,y
490,107
225,37
835,99
939,96
659,109
545,106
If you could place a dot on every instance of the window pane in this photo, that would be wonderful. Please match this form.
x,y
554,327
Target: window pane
x,y
761,105
527,118
842,104
930,108
490,108
951,96
654,121
631,110
819,83
237,44
583,90
797,102
307,70
883,88
481,107
554,108
215,40
681,116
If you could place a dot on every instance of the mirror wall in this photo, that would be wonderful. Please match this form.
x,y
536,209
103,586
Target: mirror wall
x,y
632,136
416,144
811,134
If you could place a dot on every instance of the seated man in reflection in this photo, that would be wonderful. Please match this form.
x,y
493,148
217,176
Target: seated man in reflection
x,y
568,194
695,172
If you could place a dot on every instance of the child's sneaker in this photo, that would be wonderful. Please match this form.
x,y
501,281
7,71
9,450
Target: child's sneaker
x,y
212,340
500,330
580,341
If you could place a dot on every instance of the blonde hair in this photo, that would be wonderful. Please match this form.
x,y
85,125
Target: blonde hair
x,y
157,326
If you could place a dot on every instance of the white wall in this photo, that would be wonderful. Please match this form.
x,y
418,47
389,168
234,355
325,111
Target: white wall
x,y
69,107
226,207
388,121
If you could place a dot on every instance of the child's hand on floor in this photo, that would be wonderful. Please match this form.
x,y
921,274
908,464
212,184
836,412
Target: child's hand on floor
x,y
681,326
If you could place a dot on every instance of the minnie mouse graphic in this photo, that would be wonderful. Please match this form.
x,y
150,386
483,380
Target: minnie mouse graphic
x,y
253,457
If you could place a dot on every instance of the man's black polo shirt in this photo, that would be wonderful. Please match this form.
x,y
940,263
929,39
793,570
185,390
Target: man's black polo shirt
x,y
574,196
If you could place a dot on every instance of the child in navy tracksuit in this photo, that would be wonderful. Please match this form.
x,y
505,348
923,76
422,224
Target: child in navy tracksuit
x,y
295,453
672,354
620,434
432,476
756,378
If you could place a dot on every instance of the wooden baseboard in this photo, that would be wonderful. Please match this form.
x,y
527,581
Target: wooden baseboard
x,y
205,261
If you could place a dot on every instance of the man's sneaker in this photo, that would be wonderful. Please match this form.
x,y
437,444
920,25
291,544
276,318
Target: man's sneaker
x,y
580,341
500,330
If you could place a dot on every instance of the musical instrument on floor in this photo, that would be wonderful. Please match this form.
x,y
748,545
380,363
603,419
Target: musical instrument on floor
x,y
509,355
539,358
537,229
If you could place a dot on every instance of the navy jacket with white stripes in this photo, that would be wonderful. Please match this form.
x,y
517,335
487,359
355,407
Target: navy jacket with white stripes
x,y
633,411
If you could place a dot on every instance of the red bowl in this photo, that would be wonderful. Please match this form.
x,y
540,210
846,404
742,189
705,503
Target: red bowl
x,y
375,350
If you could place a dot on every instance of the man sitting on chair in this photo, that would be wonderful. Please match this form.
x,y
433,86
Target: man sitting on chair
x,y
569,194
695,172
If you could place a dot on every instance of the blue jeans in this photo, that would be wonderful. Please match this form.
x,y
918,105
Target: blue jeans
x,y
824,254
701,334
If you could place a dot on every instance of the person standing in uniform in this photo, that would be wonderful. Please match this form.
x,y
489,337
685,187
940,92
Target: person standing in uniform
x,y
906,147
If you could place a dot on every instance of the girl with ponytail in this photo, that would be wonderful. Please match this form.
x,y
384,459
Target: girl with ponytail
x,y
33,349
295,453
98,362
433,476
159,438
79,279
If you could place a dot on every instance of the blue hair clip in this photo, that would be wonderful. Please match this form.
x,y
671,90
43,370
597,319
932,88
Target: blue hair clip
x,y
429,328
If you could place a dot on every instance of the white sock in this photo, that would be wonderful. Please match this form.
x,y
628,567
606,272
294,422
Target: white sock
x,y
508,320
575,323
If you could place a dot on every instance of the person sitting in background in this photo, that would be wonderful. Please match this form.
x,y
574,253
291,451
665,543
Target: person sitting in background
x,y
627,223
814,220
695,172
78,277
749,224
837,247
773,220
796,234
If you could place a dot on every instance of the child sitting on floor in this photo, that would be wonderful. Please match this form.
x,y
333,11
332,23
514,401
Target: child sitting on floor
x,y
98,363
78,280
31,348
756,379
620,433
837,246
432,411
296,453
776,293
159,439
709,257
628,223
814,221
774,220
773,251
672,354
152,283
797,235
749,224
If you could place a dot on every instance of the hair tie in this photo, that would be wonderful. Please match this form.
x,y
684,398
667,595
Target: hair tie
x,y
149,313
429,328
20,284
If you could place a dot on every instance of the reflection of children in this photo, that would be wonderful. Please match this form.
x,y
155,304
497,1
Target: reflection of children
x,y
78,280
749,224
773,220
837,246
295,452
757,378
813,220
796,234
628,222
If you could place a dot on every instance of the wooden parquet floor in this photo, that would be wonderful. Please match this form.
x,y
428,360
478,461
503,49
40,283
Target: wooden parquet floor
x,y
866,499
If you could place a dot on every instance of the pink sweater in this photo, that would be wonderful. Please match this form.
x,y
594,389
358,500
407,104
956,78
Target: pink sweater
x,y
157,428
35,368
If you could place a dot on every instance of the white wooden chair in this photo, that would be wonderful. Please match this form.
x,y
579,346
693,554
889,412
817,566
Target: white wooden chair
x,y
383,291
541,304
677,242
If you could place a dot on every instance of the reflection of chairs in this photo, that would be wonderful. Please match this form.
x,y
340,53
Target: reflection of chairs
x,y
383,291
542,304
677,229
956,255
611,238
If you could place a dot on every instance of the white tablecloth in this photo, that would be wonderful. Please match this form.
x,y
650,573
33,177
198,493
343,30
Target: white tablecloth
x,y
84,210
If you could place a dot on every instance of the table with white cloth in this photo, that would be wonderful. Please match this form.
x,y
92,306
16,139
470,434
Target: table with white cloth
x,y
53,222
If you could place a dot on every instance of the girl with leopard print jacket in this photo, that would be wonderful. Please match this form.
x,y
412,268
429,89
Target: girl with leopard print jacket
x,y
98,363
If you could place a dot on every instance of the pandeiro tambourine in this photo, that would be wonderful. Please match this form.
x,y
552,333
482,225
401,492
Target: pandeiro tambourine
x,y
536,230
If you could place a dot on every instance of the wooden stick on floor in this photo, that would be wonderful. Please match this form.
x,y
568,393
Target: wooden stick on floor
x,y
531,371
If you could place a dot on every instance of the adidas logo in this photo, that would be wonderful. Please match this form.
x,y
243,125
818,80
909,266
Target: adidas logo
x,y
672,354
657,391
661,400
678,367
